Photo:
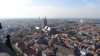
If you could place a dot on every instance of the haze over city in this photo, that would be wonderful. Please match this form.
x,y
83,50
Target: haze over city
x,y
49,8
49,27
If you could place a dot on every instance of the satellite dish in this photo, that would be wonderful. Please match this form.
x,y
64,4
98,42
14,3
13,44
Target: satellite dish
x,y
37,28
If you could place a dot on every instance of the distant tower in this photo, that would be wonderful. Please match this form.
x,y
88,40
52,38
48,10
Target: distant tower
x,y
45,22
81,21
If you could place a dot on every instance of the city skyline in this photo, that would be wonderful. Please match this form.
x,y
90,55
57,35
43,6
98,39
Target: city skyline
x,y
50,8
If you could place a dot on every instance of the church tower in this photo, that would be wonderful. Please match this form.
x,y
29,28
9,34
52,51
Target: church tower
x,y
45,22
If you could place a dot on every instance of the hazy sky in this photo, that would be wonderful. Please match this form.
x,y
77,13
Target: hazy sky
x,y
49,8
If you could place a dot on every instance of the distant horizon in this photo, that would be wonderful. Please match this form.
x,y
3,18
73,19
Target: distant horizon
x,y
47,18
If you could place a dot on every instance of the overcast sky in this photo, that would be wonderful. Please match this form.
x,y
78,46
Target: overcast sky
x,y
50,8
